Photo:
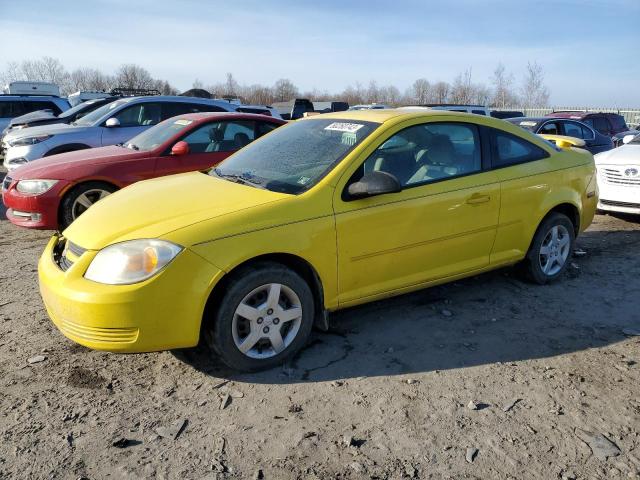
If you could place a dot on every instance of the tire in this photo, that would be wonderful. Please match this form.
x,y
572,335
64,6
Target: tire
x,y
547,258
72,205
250,290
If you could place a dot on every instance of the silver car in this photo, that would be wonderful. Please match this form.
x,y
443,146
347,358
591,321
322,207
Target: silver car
x,y
110,124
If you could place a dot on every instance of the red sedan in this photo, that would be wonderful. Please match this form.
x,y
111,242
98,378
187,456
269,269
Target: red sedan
x,y
52,192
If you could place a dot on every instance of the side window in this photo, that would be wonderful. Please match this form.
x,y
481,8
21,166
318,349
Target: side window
x,y
601,125
264,128
550,128
142,114
8,109
428,152
572,129
171,109
511,150
479,112
221,136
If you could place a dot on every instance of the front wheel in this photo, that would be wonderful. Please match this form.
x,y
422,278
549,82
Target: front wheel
x,y
80,198
551,249
264,317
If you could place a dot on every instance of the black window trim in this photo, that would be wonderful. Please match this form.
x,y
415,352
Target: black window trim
x,y
494,149
484,164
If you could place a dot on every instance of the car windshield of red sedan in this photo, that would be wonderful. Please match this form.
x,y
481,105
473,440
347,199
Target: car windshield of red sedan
x,y
295,157
157,135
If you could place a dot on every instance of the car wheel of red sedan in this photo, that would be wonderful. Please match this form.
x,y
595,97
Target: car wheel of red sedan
x,y
80,198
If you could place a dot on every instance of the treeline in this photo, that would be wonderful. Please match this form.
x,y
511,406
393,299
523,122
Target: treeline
x,y
502,90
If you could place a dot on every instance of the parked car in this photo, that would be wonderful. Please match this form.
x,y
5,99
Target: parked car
x,y
48,117
453,107
323,213
605,123
110,124
504,114
369,106
618,138
595,142
32,88
12,106
52,192
297,108
619,178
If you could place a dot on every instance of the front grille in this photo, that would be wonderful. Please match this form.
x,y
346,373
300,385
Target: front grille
x,y
77,250
622,176
6,182
613,203
60,253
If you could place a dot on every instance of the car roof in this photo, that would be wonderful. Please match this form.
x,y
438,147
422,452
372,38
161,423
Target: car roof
x,y
384,115
205,116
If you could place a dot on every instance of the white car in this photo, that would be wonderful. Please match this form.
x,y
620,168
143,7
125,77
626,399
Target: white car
x,y
619,177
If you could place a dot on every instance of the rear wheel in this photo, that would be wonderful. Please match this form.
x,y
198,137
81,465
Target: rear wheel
x,y
80,198
551,249
264,317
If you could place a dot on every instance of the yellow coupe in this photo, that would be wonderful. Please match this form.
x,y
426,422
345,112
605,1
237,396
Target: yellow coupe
x,y
327,212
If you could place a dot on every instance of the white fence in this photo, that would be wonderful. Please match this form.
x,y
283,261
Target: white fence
x,y
631,116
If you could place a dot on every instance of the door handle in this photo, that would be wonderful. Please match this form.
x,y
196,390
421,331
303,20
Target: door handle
x,y
478,198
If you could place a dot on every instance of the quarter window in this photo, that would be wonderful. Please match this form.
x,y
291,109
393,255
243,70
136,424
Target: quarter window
x,y
601,125
511,150
573,129
427,153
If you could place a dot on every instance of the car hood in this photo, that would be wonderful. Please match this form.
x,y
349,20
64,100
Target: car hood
x,y
50,129
64,166
153,208
624,155
33,116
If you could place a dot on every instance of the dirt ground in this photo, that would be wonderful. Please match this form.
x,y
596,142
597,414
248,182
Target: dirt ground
x,y
542,381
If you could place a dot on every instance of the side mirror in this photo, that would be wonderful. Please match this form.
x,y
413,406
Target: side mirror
x,y
180,148
112,122
627,138
374,183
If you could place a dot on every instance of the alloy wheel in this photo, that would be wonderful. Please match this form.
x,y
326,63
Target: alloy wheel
x,y
554,250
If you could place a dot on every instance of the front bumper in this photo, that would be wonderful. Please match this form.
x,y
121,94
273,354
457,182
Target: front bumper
x,y
33,211
622,198
161,313
24,154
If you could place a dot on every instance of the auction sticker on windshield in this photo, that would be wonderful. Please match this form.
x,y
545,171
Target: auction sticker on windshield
x,y
344,127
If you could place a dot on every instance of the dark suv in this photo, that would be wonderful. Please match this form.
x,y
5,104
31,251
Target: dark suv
x,y
608,124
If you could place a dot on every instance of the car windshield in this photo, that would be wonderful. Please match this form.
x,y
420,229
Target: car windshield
x,y
293,158
72,111
90,118
157,135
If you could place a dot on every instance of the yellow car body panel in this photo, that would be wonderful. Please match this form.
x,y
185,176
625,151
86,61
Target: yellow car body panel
x,y
361,250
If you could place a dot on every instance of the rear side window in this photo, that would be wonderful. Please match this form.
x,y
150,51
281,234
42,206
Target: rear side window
x,y
618,122
260,111
264,128
178,108
9,109
479,112
511,150
576,130
601,125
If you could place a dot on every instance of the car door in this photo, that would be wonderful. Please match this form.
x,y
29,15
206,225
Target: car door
x,y
526,173
441,224
132,120
593,142
209,144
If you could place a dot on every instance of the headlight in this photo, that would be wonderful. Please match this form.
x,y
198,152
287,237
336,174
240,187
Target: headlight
x,y
35,187
131,262
21,142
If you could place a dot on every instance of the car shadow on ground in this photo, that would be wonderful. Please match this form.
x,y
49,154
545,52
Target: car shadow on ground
x,y
494,317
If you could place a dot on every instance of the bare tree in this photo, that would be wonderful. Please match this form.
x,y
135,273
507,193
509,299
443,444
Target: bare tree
x,y
503,93
197,84
284,90
534,91
462,88
420,91
440,92
133,76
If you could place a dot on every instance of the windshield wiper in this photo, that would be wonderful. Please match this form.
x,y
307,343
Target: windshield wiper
x,y
132,146
237,178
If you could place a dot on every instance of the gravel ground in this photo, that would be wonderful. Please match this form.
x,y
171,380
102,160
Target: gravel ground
x,y
489,378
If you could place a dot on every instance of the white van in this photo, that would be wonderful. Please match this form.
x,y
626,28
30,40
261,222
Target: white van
x,y
32,88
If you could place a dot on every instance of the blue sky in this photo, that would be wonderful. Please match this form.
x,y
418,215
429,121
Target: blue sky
x,y
588,48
